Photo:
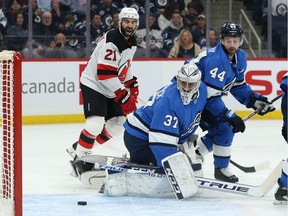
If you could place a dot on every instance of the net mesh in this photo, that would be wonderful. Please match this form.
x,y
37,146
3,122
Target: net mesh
x,y
7,204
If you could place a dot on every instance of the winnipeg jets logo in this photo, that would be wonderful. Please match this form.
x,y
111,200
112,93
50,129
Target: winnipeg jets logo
x,y
233,25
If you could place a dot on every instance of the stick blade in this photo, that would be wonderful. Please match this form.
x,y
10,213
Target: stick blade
x,y
262,166
251,169
270,182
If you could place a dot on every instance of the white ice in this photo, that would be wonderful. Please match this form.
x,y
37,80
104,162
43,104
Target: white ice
x,y
50,190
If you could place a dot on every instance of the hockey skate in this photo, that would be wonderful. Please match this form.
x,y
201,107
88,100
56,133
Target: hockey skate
x,y
72,150
224,174
78,166
281,195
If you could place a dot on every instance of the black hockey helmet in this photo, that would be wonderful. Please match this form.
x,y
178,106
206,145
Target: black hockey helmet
x,y
231,29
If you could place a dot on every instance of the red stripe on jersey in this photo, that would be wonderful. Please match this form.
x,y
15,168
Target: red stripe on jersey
x,y
102,75
106,72
106,67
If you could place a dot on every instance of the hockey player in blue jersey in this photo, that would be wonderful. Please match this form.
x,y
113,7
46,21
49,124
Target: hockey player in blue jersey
x,y
169,118
223,70
281,194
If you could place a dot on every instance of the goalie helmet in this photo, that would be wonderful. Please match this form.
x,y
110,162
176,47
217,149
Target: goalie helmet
x,y
128,12
231,29
188,82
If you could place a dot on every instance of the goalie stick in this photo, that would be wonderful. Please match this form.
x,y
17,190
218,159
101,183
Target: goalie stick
x,y
205,183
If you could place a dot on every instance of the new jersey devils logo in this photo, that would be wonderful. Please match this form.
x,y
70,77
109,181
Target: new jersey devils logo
x,y
123,69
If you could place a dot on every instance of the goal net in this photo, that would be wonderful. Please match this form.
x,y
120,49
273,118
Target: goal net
x,y
10,134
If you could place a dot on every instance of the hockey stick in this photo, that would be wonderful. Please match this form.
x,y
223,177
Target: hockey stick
x,y
255,168
264,164
206,183
260,108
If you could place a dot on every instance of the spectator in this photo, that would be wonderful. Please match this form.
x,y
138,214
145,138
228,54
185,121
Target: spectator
x,y
199,32
14,7
213,40
114,21
94,4
164,19
156,40
3,24
75,23
59,49
74,39
169,5
58,15
189,19
184,47
106,9
171,33
279,26
199,6
97,29
35,10
43,33
17,34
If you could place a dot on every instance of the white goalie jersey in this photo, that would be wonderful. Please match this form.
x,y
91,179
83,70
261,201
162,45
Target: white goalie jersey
x,y
110,64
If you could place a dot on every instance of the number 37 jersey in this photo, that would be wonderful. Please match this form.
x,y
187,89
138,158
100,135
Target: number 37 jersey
x,y
165,120
109,65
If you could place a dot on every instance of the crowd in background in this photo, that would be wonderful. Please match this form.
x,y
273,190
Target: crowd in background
x,y
177,28
260,12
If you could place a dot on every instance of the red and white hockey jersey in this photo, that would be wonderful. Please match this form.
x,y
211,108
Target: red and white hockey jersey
x,y
109,65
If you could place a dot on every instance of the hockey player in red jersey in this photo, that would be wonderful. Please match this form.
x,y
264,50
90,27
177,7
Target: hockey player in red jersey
x,y
108,87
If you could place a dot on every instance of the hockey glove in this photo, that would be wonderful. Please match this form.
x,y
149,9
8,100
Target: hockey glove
x,y
133,86
126,101
284,132
234,121
258,101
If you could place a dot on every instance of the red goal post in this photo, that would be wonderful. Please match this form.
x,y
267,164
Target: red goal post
x,y
10,134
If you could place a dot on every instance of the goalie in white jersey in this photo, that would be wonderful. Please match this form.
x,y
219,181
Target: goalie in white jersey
x,y
104,84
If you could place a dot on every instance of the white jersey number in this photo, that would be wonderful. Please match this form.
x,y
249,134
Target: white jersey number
x,y
220,76
170,120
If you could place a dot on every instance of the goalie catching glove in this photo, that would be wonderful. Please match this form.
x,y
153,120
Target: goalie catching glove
x,y
234,121
258,101
133,86
126,101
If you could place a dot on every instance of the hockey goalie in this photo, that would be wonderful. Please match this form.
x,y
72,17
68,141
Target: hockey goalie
x,y
152,135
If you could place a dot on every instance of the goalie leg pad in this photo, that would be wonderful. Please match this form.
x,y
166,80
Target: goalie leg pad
x,y
180,175
132,184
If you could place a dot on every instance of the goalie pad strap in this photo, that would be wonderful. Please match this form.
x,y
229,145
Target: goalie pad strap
x,y
180,175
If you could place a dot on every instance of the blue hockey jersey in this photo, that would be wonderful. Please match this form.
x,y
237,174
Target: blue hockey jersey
x,y
165,121
221,76
284,86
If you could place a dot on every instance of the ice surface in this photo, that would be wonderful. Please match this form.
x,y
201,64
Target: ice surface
x,y
50,190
